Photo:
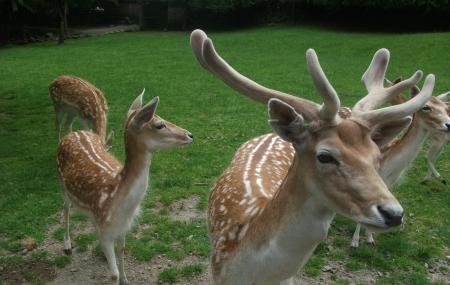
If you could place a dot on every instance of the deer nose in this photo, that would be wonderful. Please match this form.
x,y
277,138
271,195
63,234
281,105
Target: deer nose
x,y
392,215
448,126
190,135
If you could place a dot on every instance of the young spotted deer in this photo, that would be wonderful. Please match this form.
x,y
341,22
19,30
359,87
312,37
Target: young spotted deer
x,y
399,154
108,192
438,140
73,98
265,225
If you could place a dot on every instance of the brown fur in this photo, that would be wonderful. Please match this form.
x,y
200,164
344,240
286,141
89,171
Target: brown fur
x,y
82,95
96,182
279,175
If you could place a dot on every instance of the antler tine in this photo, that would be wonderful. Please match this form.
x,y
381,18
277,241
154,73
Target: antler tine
x,y
198,37
402,85
375,73
402,110
331,103
380,96
373,80
206,55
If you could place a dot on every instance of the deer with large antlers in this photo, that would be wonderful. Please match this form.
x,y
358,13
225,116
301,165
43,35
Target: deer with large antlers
x,y
438,141
74,97
265,224
399,154
108,192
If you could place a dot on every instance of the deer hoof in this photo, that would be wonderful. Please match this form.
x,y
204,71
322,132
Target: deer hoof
x,y
68,251
443,181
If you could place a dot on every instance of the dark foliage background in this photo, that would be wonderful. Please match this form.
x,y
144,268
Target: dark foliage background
x,y
374,15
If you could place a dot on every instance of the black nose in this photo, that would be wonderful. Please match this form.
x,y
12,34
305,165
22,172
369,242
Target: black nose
x,y
190,135
448,126
391,217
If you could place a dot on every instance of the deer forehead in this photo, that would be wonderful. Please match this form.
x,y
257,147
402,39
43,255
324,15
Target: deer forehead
x,y
348,135
438,104
440,111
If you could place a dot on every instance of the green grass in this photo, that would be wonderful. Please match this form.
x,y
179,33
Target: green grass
x,y
171,275
82,241
122,64
62,261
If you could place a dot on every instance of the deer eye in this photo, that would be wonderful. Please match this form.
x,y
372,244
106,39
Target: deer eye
x,y
160,125
426,108
326,158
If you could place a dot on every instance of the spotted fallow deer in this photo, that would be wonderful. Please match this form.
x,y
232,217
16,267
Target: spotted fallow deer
x,y
265,224
438,141
398,155
94,181
74,97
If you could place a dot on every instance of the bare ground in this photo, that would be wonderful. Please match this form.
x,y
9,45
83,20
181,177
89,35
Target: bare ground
x,y
89,268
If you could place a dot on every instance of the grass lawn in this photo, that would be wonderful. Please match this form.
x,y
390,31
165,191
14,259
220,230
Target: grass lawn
x,y
122,64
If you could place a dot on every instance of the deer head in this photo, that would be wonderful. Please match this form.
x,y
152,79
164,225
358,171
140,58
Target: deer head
x,y
150,130
337,155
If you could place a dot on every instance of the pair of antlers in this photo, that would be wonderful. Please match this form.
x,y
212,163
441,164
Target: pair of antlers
x,y
365,110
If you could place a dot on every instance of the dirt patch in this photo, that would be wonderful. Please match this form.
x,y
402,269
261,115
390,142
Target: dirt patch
x,y
88,269
336,269
28,272
186,209
91,268
439,270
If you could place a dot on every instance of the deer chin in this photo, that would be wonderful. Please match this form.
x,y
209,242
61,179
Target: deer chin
x,y
187,142
377,228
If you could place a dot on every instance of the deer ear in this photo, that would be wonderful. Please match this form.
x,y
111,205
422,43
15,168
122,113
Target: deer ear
x,y
285,121
389,83
398,79
145,114
137,103
386,132
444,97
414,91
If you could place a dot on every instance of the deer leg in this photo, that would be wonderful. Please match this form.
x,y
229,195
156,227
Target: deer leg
x,y
107,244
68,123
121,252
67,242
355,238
84,124
369,237
433,153
58,121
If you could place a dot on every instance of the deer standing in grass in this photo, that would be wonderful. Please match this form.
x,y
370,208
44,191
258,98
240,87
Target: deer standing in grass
x,y
438,141
264,223
399,154
74,97
108,192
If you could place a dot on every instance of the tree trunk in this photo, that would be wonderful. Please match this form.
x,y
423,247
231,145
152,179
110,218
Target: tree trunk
x,y
60,8
66,12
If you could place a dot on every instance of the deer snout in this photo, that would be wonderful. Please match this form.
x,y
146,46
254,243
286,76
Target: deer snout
x,y
391,213
189,137
447,125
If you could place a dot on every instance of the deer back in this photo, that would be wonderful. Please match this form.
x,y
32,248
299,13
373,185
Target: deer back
x,y
90,175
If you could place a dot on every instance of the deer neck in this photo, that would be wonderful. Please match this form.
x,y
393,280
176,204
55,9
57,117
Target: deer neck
x,y
293,223
135,173
399,155
99,125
